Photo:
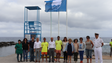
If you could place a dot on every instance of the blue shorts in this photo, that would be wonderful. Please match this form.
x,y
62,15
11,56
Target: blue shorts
x,y
88,53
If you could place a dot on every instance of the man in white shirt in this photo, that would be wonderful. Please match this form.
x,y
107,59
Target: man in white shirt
x,y
51,49
98,43
37,49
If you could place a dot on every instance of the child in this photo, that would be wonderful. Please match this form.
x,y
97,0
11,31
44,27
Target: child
x,y
76,50
69,49
44,46
81,49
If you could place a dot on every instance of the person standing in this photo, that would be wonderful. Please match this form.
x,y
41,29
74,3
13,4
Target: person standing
x,y
64,45
76,50
31,49
25,49
58,43
98,43
110,48
44,46
89,46
51,49
81,49
37,49
19,50
69,49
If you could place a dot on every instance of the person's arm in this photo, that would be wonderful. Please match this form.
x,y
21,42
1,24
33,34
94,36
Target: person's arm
x,y
73,48
92,44
110,44
55,47
29,46
34,47
16,46
101,42
84,45
77,47
66,47
48,47
61,45
40,46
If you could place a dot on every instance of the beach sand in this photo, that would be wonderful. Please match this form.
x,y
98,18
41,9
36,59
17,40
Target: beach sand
x,y
12,59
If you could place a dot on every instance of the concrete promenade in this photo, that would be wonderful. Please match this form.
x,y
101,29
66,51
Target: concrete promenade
x,y
12,59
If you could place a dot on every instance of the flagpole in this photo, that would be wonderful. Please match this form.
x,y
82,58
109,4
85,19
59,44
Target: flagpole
x,y
51,24
58,22
66,20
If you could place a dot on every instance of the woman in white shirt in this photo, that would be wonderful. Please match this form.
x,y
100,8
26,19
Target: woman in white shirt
x,y
64,45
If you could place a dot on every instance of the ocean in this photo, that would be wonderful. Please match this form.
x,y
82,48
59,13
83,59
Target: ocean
x,y
8,50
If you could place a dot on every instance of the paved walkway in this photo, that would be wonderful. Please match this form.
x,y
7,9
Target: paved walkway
x,y
12,59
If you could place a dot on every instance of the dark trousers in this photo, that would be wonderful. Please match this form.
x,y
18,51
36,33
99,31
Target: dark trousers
x,y
31,54
51,53
75,56
18,57
25,54
65,55
110,51
81,55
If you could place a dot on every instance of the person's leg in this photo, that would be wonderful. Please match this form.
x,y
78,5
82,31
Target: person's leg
x,y
30,54
26,55
21,57
80,55
56,55
36,54
100,54
70,59
42,56
110,51
59,54
87,55
96,55
39,55
90,52
46,57
52,55
18,57
75,56
64,56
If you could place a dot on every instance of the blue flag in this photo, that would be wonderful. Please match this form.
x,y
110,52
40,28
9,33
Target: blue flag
x,y
55,5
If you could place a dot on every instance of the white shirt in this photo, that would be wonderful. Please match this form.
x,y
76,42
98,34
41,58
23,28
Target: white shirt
x,y
37,44
98,42
51,45
64,45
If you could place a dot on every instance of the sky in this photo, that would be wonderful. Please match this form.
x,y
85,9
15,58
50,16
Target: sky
x,y
85,17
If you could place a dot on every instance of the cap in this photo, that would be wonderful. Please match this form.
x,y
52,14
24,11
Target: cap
x,y
96,34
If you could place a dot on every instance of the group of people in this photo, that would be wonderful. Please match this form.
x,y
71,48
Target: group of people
x,y
69,48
